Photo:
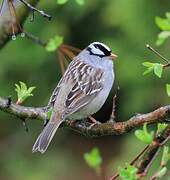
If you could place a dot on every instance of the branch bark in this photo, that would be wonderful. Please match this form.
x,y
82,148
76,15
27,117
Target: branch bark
x,y
83,127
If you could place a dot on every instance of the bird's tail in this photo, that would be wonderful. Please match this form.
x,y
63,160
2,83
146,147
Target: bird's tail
x,y
46,135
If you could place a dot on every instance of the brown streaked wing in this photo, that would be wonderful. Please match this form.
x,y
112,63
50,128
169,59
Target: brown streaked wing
x,y
87,85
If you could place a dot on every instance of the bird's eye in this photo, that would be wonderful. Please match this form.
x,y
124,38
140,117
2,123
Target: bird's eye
x,y
103,49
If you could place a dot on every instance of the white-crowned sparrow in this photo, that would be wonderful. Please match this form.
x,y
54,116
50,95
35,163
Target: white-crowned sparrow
x,y
82,90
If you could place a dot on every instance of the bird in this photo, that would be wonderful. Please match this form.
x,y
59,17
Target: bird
x,y
82,90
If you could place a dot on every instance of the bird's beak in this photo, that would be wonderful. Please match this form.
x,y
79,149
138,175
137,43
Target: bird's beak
x,y
113,56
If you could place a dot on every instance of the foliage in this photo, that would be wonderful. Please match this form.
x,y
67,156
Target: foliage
x,y
168,89
165,156
23,92
163,165
49,113
93,159
157,68
164,26
128,173
61,2
161,127
144,135
54,43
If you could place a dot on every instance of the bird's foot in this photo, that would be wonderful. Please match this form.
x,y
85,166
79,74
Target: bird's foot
x,y
92,119
94,122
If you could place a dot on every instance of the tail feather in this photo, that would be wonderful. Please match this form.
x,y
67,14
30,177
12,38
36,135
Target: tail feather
x,y
45,137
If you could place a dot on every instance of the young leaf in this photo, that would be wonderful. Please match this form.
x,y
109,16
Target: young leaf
x,y
168,89
165,156
155,67
162,23
148,64
167,14
61,1
158,68
49,113
161,127
161,173
150,67
54,43
80,2
128,173
162,36
148,70
144,135
93,158
23,92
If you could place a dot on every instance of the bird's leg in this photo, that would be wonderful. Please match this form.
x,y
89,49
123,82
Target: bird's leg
x,y
92,119
94,122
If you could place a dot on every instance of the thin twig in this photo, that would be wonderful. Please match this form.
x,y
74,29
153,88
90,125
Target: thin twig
x,y
67,52
35,39
113,114
152,151
12,16
157,53
115,176
77,50
32,8
61,61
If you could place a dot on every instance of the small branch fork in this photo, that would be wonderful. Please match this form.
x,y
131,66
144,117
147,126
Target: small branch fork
x,y
159,55
33,9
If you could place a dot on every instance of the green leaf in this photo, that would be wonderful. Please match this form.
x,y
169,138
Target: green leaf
x,y
80,2
23,92
93,158
150,67
162,36
144,135
167,14
54,43
165,156
161,127
158,68
148,70
148,64
168,89
61,1
49,113
128,173
162,23
161,172
155,67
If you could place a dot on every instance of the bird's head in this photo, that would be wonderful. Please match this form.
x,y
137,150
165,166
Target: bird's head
x,y
100,50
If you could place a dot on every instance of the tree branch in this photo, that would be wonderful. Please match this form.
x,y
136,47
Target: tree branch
x,y
6,20
108,128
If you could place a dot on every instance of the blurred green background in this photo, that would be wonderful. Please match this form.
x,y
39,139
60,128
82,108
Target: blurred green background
x,y
125,26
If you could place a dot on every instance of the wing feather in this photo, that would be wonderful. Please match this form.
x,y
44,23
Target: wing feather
x,y
86,84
